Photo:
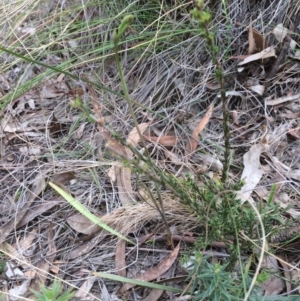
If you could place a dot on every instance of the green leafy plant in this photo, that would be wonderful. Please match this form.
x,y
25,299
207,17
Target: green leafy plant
x,y
212,281
53,293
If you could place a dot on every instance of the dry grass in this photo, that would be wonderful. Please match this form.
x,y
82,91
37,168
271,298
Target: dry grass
x,y
169,75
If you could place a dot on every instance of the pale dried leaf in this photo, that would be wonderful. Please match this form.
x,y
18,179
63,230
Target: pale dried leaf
x,y
14,127
82,224
283,99
280,32
42,275
156,271
181,86
293,44
51,253
268,52
116,147
38,185
154,295
192,143
26,243
252,172
64,177
273,139
163,140
213,86
73,44
26,31
232,93
25,150
12,271
120,258
287,274
13,253
251,48
19,291
274,284
259,89
126,194
85,288
173,157
133,137
211,161
294,174
85,248
40,209
112,174
235,116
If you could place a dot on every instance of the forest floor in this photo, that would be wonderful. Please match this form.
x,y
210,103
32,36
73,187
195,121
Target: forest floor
x,y
76,148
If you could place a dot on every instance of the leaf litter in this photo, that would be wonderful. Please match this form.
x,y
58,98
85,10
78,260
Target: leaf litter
x,y
42,137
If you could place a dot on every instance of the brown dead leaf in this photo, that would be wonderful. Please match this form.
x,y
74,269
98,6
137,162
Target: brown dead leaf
x,y
192,143
63,177
82,224
82,249
154,295
40,209
174,158
123,174
133,137
41,277
163,140
120,258
251,41
116,147
30,195
235,116
112,174
55,127
26,243
287,275
274,284
155,272
259,89
96,106
125,191
51,253
279,100
18,291
13,253
260,42
266,53
213,86
85,288
252,172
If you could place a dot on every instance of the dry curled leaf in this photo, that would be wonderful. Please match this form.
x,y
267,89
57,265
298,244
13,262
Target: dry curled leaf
x,y
82,224
163,140
133,137
125,191
63,177
155,272
283,99
120,258
252,172
192,143
268,52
